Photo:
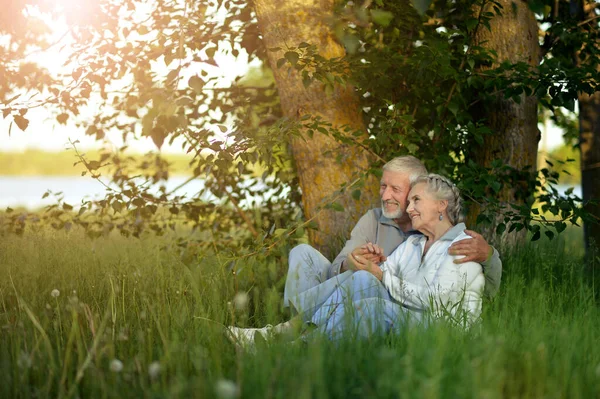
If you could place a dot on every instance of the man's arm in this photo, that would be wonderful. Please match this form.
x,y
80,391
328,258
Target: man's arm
x,y
478,250
364,232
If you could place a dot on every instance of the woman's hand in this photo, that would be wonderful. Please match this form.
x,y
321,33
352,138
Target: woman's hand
x,y
368,252
360,262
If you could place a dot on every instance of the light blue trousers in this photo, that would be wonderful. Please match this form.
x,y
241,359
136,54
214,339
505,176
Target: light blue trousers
x,y
307,269
352,300
362,307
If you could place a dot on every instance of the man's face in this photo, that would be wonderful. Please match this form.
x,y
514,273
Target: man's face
x,y
393,191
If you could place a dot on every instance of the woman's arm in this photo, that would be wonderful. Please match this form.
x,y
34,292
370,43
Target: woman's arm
x,y
455,293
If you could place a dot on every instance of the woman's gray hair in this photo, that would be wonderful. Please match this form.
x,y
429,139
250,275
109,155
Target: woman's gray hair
x,y
406,164
443,189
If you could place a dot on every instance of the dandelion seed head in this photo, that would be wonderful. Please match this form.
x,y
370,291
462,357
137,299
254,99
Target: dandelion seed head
x,y
154,370
240,301
226,389
55,293
24,360
116,365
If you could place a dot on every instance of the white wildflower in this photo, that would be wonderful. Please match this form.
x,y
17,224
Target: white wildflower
x,y
226,389
24,360
55,293
116,365
154,370
240,301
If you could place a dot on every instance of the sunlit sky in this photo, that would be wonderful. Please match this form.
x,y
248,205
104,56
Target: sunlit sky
x,y
46,134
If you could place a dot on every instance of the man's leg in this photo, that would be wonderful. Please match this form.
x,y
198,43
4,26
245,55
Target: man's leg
x,y
307,269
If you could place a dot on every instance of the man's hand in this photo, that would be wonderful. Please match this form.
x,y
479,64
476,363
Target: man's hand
x,y
475,250
360,257
359,262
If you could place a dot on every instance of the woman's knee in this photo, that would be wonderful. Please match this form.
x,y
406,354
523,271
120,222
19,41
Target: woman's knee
x,y
363,277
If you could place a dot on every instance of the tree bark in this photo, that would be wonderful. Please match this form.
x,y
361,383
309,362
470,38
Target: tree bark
x,y
589,142
514,37
284,23
589,139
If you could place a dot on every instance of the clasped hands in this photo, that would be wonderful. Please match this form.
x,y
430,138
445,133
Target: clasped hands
x,y
366,257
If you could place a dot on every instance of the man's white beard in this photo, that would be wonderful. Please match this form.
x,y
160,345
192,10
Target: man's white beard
x,y
397,214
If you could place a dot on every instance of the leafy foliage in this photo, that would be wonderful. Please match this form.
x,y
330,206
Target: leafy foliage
x,y
147,70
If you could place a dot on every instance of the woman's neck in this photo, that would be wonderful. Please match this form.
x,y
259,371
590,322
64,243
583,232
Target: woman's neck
x,y
436,232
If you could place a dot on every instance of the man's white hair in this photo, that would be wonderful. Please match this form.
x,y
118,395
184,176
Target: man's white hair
x,y
406,164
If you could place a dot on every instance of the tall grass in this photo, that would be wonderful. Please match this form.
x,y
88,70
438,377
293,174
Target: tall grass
x,y
125,300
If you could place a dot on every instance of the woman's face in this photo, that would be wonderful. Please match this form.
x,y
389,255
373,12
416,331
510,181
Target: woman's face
x,y
423,208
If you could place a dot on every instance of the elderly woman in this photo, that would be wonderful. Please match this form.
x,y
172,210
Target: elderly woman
x,y
418,280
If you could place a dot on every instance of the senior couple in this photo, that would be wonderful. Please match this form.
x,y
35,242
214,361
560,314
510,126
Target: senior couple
x,y
407,262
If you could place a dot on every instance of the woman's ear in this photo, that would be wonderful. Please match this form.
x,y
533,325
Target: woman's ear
x,y
443,205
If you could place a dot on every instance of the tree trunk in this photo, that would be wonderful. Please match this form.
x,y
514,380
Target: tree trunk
x,y
589,141
285,23
514,37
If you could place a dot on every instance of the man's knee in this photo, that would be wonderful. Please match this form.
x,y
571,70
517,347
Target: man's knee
x,y
304,256
300,251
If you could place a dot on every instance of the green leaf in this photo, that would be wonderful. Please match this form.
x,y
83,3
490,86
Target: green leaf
x,y
196,83
336,207
549,234
560,226
351,43
453,107
356,194
421,6
381,17
62,118
536,236
292,57
500,228
471,23
21,122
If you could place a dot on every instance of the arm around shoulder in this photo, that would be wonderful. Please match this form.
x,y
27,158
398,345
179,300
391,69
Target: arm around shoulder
x,y
492,270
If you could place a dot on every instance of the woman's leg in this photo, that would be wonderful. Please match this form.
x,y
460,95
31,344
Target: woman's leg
x,y
368,317
360,285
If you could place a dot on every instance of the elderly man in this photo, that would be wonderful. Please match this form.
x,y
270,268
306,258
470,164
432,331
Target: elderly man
x,y
387,227
374,237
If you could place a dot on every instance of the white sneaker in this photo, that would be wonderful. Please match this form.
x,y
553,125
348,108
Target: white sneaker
x,y
245,337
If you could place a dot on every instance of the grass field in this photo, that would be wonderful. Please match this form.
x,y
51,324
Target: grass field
x,y
117,318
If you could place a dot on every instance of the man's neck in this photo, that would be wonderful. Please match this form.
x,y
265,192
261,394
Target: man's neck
x,y
404,224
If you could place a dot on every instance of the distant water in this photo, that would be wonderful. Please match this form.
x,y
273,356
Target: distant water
x,y
27,191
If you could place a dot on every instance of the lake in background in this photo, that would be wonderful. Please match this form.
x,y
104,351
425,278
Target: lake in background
x,y
27,191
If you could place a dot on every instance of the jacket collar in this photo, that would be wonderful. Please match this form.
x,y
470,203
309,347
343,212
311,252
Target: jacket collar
x,y
454,232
